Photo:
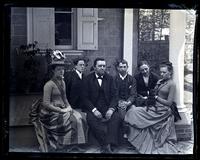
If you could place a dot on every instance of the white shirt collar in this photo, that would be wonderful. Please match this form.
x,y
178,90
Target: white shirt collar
x,y
123,77
99,80
79,74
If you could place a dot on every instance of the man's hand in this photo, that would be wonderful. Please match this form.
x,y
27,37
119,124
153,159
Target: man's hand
x,y
97,114
109,114
127,103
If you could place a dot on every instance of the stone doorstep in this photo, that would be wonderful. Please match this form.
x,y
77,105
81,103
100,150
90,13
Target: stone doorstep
x,y
24,141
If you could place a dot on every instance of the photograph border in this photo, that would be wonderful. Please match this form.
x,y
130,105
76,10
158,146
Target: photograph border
x,y
5,63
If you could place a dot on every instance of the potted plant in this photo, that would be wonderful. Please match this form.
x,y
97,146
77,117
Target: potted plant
x,y
31,66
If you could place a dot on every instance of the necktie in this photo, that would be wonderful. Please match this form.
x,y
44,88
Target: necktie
x,y
100,80
100,77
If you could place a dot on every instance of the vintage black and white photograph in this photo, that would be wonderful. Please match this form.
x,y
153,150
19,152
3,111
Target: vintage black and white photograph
x,y
101,80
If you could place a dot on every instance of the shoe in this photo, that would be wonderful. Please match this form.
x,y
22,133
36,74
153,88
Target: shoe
x,y
109,148
103,149
106,149
76,148
80,149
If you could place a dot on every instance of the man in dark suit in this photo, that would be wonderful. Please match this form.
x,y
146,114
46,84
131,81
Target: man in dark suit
x,y
100,100
74,83
126,85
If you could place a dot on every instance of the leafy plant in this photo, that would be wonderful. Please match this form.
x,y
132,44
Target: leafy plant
x,y
31,66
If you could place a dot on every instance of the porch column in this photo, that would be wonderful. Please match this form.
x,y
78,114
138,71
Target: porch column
x,y
128,37
176,56
130,46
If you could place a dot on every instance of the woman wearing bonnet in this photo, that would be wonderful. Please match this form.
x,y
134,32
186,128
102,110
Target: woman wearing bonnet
x,y
63,126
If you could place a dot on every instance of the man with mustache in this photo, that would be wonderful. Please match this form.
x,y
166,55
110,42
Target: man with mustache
x,y
100,100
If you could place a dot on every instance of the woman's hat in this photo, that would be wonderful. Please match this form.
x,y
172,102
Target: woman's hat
x,y
57,58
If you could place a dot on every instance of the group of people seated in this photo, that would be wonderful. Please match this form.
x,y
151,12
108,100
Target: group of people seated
x,y
74,103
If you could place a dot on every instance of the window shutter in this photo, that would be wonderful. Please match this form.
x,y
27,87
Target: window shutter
x,y
43,27
87,24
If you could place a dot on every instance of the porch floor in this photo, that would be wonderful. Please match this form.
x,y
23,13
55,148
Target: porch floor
x,y
184,147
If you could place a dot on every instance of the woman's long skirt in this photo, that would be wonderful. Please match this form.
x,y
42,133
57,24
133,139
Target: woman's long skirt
x,y
152,131
63,129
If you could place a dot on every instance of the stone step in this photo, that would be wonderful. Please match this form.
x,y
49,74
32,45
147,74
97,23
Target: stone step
x,y
22,136
25,137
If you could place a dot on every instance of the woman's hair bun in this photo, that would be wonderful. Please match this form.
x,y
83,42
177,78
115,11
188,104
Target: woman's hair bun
x,y
168,63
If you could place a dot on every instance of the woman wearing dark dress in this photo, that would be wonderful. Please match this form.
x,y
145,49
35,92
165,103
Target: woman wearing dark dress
x,y
145,81
153,131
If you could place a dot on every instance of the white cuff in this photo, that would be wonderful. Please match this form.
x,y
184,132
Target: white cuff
x,y
94,110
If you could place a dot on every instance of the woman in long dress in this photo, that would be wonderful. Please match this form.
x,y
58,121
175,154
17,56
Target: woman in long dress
x,y
62,125
152,130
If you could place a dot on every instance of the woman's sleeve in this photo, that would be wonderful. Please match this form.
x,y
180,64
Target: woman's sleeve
x,y
172,93
65,97
47,93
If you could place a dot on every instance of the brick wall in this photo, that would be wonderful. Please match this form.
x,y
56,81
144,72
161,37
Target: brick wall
x,y
184,132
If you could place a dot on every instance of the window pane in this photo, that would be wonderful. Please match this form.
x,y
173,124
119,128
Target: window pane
x,y
63,28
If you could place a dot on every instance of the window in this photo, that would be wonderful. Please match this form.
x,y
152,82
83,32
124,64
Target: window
x,y
63,28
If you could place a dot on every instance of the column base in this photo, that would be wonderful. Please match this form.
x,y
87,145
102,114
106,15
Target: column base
x,y
186,118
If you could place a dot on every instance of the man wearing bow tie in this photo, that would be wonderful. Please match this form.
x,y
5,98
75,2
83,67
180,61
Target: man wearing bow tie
x,y
100,100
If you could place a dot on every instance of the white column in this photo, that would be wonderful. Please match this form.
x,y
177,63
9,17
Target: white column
x,y
128,37
176,56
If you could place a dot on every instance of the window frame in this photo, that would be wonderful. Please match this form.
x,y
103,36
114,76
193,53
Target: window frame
x,y
78,38
30,39
73,31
